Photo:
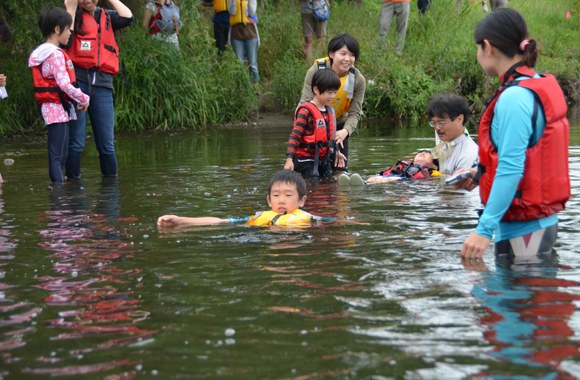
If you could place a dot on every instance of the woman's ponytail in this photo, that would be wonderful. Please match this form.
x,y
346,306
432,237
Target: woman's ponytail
x,y
531,53
506,30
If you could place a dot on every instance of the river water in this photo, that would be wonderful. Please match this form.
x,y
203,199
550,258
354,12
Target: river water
x,y
89,285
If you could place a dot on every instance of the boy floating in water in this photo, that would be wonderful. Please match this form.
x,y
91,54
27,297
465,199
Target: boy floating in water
x,y
311,147
422,166
286,194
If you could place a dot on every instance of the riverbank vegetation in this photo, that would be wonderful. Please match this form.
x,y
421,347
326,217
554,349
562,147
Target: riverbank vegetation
x,y
194,87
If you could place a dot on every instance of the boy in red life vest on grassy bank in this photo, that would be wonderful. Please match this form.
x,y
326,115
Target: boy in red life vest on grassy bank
x,y
422,166
311,147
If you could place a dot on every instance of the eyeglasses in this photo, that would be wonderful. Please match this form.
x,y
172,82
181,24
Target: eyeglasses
x,y
441,124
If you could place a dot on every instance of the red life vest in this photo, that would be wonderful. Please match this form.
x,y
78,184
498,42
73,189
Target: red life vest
x,y
409,169
47,91
319,143
97,49
153,28
545,185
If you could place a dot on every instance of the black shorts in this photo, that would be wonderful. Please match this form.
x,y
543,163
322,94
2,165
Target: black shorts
x,y
306,168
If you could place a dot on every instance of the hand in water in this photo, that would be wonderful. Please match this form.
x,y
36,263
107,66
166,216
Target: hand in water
x,y
341,136
474,246
339,161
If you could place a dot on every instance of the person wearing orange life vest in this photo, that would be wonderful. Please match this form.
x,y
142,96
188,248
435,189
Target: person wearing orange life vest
x,y
94,53
54,86
221,24
286,197
161,20
343,52
311,147
244,37
523,137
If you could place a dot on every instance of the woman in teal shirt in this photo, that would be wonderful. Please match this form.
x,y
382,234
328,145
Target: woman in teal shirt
x,y
516,129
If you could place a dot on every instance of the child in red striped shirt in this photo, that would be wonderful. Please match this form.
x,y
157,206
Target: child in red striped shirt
x,y
311,147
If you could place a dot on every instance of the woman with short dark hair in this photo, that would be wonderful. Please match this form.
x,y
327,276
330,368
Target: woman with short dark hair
x,y
343,52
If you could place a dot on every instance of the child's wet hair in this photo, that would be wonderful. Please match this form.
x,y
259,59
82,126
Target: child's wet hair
x,y
51,17
448,105
345,39
289,177
325,80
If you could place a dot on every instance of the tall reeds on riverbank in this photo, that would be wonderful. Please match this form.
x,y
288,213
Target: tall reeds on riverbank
x,y
193,87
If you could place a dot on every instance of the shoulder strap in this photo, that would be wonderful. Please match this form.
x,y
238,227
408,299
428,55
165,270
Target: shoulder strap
x,y
321,64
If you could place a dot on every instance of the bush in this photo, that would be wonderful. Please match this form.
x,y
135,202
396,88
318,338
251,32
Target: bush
x,y
192,87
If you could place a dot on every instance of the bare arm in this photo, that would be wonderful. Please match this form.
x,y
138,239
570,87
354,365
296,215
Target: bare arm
x,y
355,109
121,8
174,220
147,19
71,8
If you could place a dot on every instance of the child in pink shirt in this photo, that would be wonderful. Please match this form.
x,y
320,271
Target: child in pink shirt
x,y
54,86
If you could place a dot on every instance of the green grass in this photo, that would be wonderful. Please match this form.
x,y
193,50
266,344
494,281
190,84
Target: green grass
x,y
194,88
439,53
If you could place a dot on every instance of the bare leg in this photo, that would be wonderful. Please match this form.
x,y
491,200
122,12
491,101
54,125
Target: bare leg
x,y
308,47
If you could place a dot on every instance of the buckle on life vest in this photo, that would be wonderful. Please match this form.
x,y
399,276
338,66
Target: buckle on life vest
x,y
65,105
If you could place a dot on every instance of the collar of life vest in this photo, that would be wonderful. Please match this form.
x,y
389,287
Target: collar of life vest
x,y
348,78
444,148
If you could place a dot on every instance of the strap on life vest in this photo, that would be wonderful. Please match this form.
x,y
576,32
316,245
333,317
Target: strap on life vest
x,y
348,85
123,69
315,147
533,140
65,105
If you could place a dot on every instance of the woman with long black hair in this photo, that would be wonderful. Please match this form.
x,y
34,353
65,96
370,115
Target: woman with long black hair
x,y
523,144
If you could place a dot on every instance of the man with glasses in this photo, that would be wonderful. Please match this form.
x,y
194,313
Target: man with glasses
x,y
448,114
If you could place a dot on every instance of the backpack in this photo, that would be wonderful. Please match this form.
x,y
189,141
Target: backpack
x,y
169,21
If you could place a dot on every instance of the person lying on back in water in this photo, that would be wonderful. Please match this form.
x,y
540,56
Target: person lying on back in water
x,y
423,165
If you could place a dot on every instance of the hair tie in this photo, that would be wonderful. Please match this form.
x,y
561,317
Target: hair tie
x,y
523,44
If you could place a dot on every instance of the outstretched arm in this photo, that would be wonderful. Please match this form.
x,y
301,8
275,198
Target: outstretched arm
x,y
174,220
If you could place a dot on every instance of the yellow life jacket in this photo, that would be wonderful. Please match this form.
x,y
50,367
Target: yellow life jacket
x,y
241,15
220,6
271,218
341,103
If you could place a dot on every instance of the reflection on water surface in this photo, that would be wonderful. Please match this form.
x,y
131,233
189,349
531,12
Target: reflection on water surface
x,y
90,287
